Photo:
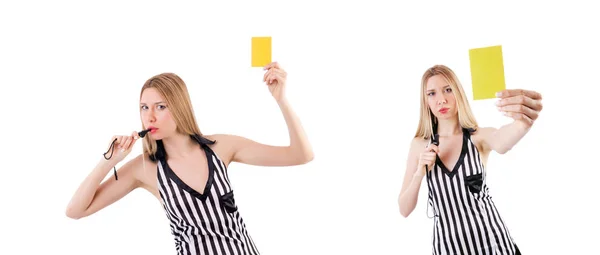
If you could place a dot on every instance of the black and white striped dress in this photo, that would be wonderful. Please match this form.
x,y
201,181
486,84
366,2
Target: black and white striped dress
x,y
208,222
466,220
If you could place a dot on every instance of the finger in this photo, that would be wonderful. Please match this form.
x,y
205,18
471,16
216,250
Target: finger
x,y
430,166
271,65
275,65
281,75
432,148
113,142
135,135
519,99
429,156
126,142
268,66
266,74
519,92
273,77
132,141
268,79
428,162
120,142
519,109
281,72
123,143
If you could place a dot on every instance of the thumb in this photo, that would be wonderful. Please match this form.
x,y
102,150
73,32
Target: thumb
x,y
434,148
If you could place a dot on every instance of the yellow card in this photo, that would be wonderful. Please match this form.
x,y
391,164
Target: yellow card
x,y
261,51
487,72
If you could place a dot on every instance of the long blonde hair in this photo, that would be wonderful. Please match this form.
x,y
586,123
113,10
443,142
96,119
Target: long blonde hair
x,y
466,118
174,91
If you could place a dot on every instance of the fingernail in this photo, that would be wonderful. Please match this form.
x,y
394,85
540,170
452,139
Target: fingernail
x,y
498,94
122,150
498,103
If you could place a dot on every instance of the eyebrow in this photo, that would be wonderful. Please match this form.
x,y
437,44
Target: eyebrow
x,y
429,90
159,102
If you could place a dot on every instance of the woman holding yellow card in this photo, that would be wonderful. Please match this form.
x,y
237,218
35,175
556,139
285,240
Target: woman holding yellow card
x,y
450,150
186,170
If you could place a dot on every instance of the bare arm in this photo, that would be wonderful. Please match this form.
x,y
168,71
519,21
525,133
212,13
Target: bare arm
x,y
505,138
250,152
521,105
92,196
247,151
413,176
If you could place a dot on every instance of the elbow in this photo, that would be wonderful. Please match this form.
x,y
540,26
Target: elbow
x,y
405,212
308,157
73,214
305,156
503,149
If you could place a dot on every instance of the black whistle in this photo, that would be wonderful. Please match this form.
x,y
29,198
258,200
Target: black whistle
x,y
143,133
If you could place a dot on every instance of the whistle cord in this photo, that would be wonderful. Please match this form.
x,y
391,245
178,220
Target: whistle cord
x,y
435,141
112,145
111,149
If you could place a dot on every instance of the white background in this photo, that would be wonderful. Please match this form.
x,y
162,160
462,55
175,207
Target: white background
x,y
354,73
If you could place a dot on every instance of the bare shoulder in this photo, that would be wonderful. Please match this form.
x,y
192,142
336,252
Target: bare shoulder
x,y
417,145
136,163
480,136
224,145
144,171
418,141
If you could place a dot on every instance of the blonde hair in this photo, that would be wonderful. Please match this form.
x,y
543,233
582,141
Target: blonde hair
x,y
174,91
466,118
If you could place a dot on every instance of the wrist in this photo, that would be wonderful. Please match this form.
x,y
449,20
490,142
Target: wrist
x,y
418,177
282,100
107,163
419,174
522,124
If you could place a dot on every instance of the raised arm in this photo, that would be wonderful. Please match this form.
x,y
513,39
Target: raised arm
x,y
524,107
299,151
92,196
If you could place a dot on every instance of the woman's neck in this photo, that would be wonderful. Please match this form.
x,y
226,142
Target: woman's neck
x,y
448,127
179,146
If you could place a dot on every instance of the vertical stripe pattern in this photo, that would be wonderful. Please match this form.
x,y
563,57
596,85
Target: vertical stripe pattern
x,y
204,223
466,220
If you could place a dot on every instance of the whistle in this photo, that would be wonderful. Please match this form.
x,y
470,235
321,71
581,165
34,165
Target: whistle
x,y
143,133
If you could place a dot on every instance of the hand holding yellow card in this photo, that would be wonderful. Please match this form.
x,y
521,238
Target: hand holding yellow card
x,y
487,72
261,51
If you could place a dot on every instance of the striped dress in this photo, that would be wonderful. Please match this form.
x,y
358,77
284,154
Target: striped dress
x,y
207,222
466,220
